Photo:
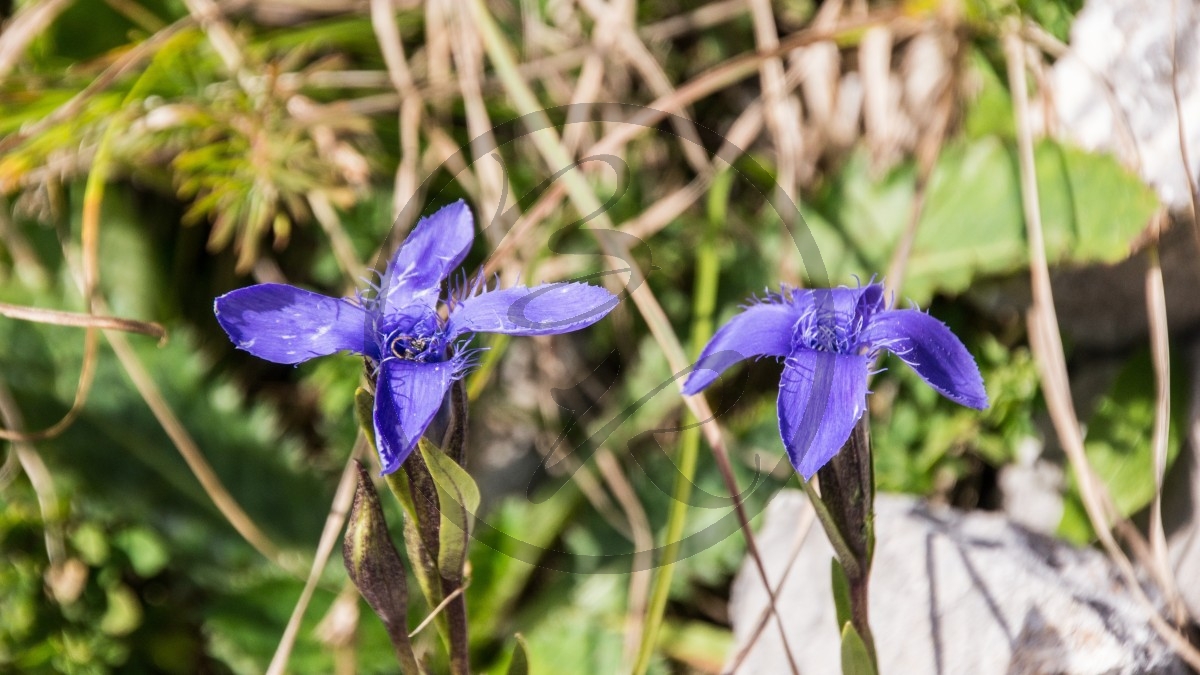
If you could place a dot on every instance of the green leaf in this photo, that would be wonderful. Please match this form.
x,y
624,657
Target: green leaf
x,y
576,625
91,543
973,224
991,111
520,659
1092,210
458,500
364,410
841,591
1118,442
855,658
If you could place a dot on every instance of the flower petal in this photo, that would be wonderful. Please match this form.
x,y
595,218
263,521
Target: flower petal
x,y
870,302
764,329
285,324
548,309
407,396
845,302
937,355
821,397
432,250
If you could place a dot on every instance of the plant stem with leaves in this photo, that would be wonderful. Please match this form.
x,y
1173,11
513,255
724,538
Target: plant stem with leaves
x,y
846,509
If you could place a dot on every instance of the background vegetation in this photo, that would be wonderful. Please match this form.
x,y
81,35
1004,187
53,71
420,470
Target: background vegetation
x,y
157,153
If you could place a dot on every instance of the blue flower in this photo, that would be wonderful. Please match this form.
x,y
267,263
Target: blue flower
x,y
419,351
828,339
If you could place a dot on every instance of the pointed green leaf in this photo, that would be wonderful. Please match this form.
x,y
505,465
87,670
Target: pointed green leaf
x,y
841,591
520,658
855,659
458,499
364,409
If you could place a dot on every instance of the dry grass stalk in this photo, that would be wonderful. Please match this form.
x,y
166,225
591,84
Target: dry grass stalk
x,y
643,543
40,478
1046,343
78,320
342,498
30,22
387,33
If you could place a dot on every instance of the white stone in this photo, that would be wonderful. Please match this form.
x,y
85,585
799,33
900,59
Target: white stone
x,y
1113,88
950,592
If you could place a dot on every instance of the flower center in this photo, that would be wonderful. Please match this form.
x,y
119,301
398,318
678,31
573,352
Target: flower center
x,y
417,336
417,348
825,330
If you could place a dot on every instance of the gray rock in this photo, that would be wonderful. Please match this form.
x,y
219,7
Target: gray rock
x,y
951,592
1113,87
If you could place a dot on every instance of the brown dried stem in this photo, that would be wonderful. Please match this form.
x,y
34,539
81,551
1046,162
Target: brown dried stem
x,y
329,539
1048,352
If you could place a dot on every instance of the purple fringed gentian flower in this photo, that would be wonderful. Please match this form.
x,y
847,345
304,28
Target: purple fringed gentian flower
x,y
828,339
419,351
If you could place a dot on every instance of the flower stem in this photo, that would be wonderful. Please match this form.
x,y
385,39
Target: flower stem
x,y
846,509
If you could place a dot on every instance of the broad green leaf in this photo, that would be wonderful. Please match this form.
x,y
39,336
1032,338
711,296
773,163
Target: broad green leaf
x,y
1092,209
855,658
991,111
973,223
